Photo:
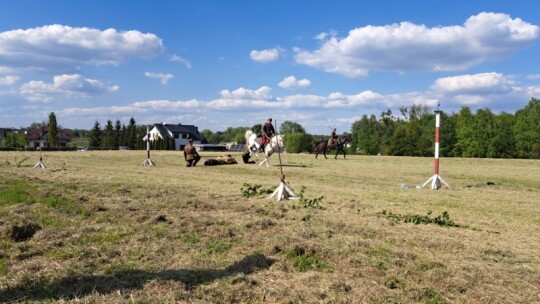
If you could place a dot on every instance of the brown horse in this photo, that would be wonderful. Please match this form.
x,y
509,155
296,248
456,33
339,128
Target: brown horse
x,y
338,144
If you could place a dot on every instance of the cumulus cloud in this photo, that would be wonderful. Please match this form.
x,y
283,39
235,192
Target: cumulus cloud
x,y
9,80
537,76
243,93
408,47
483,83
163,78
176,58
64,85
264,56
54,48
291,82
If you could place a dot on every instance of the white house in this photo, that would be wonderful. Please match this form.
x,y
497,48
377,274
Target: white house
x,y
180,133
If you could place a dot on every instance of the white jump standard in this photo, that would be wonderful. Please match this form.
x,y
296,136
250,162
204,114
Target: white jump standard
x,y
148,161
283,191
436,179
40,163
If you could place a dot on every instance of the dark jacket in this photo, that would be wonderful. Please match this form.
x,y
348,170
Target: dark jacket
x,y
268,129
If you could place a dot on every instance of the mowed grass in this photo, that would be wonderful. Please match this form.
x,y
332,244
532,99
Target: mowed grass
x,y
112,231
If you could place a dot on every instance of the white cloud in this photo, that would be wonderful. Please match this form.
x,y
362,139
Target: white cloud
x,y
291,82
167,105
163,78
537,76
483,83
408,47
9,80
176,58
243,93
64,85
324,36
54,48
264,56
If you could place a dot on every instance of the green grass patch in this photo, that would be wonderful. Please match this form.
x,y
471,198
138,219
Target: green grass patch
x,y
13,192
65,206
305,261
3,266
102,238
190,237
215,247
429,296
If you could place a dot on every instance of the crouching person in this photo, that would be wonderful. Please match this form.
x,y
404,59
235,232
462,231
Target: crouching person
x,y
190,154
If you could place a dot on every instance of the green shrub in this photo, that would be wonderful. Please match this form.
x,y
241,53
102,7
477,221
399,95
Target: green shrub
x,y
298,142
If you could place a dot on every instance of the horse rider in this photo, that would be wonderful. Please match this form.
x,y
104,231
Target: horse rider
x,y
267,132
333,138
190,154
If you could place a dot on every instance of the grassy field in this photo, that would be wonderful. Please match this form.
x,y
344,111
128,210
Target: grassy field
x,y
96,227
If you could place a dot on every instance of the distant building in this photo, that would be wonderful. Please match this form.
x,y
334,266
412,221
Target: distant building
x,y
179,133
38,137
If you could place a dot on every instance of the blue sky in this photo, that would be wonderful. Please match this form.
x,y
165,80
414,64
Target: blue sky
x,y
219,64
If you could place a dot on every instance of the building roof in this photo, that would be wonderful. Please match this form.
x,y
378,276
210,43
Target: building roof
x,y
168,129
39,133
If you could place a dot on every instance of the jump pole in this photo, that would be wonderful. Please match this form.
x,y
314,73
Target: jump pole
x,y
40,163
148,161
436,179
283,191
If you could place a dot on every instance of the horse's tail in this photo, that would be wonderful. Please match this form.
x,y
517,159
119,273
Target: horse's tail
x,y
248,135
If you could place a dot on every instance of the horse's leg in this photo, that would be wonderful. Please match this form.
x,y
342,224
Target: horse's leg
x,y
251,152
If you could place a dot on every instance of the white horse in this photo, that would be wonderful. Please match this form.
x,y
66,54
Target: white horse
x,y
252,141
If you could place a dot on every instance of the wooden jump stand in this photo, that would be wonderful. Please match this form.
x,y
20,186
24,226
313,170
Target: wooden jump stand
x,y
148,162
283,191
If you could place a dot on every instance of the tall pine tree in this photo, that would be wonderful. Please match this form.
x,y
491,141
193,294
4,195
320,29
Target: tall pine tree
x,y
95,135
52,136
107,141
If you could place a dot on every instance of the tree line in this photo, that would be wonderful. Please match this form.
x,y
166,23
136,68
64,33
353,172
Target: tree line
x,y
462,134
117,134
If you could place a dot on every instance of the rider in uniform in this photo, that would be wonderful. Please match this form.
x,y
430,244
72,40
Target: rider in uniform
x,y
190,154
267,132
333,138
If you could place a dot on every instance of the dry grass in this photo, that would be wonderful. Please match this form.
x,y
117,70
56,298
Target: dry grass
x,y
111,231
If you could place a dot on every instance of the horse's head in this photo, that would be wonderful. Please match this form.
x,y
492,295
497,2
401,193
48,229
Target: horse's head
x,y
279,140
248,135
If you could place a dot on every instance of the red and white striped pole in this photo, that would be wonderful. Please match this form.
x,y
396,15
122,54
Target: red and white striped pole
x,y
437,127
436,179
147,142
